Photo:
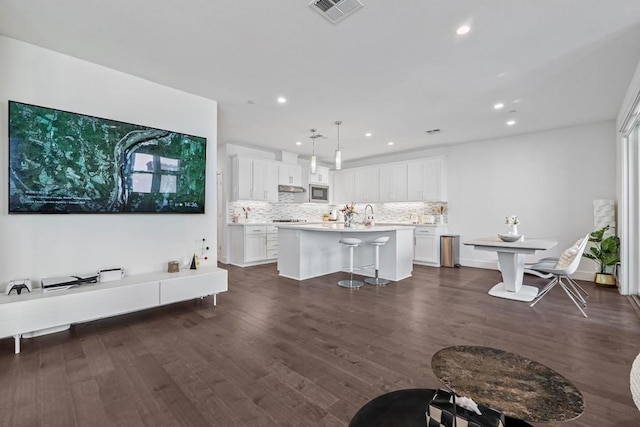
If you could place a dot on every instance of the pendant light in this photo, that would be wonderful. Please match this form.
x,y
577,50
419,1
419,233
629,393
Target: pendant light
x,y
338,152
314,160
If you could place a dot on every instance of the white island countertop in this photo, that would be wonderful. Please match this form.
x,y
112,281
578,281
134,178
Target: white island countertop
x,y
340,228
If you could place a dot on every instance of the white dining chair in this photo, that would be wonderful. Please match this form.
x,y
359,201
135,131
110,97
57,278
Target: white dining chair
x,y
560,269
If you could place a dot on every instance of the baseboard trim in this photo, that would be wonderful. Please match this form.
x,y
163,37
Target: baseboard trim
x,y
487,265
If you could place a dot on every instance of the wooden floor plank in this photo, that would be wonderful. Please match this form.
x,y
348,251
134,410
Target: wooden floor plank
x,y
277,352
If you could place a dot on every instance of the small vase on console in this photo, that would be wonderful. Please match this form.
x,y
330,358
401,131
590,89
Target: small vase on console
x,y
513,229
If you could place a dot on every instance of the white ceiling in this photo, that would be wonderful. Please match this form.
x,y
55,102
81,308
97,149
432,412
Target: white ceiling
x,y
393,68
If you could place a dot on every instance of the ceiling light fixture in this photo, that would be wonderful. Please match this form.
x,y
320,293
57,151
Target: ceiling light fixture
x,y
338,152
298,143
314,160
390,143
462,30
282,99
498,106
511,122
368,134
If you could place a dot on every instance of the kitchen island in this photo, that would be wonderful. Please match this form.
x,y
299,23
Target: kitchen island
x,y
307,251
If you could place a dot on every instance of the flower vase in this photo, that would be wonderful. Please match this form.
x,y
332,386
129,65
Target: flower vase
x,y
348,220
513,229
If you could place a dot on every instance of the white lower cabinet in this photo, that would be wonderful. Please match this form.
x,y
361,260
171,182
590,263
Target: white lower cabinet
x,y
253,244
427,244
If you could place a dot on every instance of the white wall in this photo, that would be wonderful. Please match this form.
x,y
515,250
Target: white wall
x,y
549,179
37,246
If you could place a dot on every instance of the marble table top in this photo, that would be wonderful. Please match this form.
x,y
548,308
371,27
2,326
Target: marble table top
x,y
515,385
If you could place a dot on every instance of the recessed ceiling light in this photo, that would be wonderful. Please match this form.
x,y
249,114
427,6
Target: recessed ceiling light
x,y
502,74
462,30
282,99
298,143
517,101
367,134
390,143
498,106
511,122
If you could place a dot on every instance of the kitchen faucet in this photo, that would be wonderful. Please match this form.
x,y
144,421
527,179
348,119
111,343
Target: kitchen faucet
x,y
368,220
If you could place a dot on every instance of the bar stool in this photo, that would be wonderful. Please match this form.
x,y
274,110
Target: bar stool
x,y
351,243
376,243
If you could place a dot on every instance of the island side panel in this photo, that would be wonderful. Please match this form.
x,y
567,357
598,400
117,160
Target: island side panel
x,y
289,253
396,257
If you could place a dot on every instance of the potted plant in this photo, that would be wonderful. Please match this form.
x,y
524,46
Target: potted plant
x,y
605,252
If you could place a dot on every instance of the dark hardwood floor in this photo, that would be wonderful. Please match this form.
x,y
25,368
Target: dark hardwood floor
x,y
276,352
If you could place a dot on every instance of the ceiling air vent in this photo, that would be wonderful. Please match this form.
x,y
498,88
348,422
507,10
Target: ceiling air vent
x,y
335,10
433,131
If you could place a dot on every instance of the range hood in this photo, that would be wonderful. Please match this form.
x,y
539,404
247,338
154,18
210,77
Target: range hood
x,y
291,189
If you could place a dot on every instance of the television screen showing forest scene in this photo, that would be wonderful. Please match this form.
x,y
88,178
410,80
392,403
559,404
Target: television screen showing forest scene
x,y
63,162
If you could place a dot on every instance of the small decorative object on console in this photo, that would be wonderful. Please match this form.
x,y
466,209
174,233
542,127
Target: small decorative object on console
x,y
195,260
18,286
173,267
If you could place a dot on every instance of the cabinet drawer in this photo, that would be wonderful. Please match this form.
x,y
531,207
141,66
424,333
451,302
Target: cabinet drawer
x,y
272,229
272,244
272,237
255,229
272,254
424,231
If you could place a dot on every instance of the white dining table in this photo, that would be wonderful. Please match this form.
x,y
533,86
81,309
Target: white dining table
x,y
511,256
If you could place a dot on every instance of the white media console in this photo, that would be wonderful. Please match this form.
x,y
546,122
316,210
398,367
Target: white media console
x,y
38,311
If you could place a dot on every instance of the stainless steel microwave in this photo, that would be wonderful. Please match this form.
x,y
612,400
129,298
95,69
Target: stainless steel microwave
x,y
319,193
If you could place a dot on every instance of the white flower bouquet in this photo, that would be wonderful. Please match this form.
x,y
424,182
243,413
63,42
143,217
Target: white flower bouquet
x,y
511,220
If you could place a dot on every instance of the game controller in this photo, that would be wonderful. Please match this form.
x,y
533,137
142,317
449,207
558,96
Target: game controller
x,y
18,286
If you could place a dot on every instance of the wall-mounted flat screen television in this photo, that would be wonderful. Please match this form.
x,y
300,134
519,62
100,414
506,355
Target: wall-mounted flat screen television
x,y
63,162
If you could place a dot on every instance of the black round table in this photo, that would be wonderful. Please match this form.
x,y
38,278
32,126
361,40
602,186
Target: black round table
x,y
404,408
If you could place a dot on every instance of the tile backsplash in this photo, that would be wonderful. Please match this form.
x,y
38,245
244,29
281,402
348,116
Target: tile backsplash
x,y
285,208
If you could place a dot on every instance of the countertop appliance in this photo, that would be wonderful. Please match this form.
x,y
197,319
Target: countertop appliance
x,y
318,193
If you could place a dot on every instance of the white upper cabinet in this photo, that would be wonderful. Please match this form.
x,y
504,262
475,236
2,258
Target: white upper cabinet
x,y
426,180
367,185
254,180
344,187
393,183
320,177
289,174
265,180
242,178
